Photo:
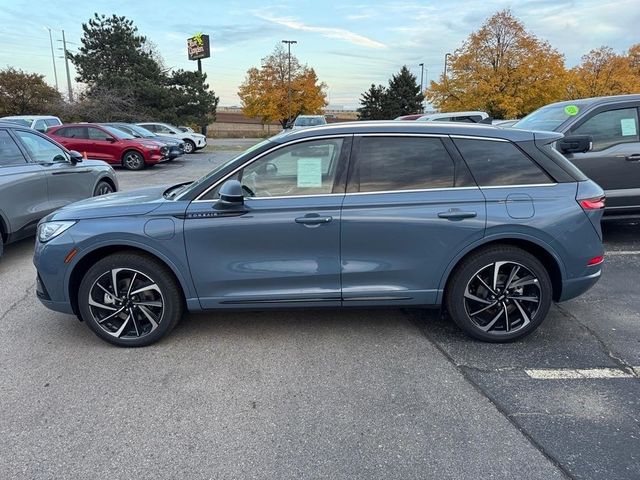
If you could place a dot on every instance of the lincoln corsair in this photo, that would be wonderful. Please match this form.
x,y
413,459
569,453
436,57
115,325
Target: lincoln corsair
x,y
491,224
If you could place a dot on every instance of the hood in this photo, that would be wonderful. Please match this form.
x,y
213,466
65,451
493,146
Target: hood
x,y
136,202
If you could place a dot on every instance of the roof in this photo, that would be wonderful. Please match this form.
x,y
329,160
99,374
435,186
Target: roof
x,y
634,97
408,127
30,117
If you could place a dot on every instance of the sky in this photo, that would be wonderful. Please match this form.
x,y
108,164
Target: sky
x,y
350,44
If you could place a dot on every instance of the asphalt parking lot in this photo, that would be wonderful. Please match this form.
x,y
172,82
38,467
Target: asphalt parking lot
x,y
389,394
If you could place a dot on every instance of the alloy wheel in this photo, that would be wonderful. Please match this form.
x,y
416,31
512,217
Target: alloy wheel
x,y
126,303
502,298
133,161
103,189
188,147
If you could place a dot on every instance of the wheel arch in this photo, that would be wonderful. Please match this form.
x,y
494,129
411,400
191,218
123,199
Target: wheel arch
x,y
107,179
541,250
4,228
82,265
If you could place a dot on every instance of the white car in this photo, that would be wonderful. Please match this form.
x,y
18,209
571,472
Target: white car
x,y
37,122
305,121
192,141
465,117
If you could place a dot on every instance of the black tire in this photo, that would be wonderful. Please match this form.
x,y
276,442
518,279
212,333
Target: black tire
x,y
132,160
103,188
189,146
476,296
160,302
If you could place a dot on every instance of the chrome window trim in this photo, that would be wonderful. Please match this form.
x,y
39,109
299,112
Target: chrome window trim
x,y
397,134
519,186
416,190
489,139
276,147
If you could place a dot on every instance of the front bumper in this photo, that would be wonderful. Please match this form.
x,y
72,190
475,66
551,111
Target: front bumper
x,y
201,143
52,280
175,152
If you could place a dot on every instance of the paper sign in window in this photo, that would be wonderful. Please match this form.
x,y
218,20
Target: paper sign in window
x,y
309,172
628,126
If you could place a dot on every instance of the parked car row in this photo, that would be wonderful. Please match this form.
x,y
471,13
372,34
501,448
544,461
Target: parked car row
x,y
133,146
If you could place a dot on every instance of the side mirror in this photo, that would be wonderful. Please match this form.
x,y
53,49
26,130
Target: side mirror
x,y
111,139
75,157
575,144
231,195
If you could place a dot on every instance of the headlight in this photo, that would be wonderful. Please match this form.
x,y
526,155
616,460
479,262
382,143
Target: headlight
x,y
50,230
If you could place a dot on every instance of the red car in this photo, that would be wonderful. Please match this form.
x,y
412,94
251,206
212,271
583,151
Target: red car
x,y
106,143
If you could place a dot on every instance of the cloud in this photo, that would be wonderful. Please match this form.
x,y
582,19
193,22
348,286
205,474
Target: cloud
x,y
330,32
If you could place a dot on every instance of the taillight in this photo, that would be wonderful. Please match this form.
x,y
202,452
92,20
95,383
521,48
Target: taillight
x,y
596,203
596,260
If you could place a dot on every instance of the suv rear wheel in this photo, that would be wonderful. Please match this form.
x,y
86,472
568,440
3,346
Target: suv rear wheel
x,y
130,299
499,294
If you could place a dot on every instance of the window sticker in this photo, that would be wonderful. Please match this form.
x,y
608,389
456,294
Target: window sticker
x,y
310,172
571,110
628,127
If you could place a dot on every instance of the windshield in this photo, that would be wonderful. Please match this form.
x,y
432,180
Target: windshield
x,y
143,132
548,118
219,168
116,132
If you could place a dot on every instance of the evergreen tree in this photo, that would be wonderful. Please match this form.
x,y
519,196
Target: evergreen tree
x,y
403,97
372,102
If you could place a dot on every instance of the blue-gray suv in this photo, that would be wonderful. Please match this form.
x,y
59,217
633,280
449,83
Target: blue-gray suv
x,y
492,224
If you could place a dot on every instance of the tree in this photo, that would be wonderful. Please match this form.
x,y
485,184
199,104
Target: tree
x,y
502,69
25,93
371,102
604,72
117,63
264,92
403,96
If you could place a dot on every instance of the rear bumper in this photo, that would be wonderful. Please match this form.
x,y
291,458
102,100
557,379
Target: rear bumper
x,y
577,286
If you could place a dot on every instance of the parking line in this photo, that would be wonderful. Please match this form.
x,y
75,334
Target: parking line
x,y
622,252
579,373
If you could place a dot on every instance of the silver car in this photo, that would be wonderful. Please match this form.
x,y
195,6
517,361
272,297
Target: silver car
x,y
38,176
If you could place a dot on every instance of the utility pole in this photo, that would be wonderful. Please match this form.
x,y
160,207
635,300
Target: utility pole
x,y
53,59
289,42
422,84
66,64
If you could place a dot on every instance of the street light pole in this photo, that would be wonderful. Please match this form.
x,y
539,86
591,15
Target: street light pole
x,y
422,84
289,42
53,59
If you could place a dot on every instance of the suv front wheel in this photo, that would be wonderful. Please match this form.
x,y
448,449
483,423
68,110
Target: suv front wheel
x,y
499,294
130,299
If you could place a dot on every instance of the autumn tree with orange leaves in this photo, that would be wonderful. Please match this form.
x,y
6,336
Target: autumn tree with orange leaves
x,y
501,69
264,92
604,72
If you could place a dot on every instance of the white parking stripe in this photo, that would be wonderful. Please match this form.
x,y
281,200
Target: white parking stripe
x,y
622,252
579,373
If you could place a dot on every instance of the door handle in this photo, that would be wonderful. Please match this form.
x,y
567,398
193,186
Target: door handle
x,y
634,157
455,214
313,220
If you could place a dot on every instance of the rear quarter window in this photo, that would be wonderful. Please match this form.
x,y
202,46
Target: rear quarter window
x,y
497,163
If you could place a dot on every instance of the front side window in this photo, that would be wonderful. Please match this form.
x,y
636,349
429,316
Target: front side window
x,y
611,128
499,163
10,154
162,129
97,134
401,163
307,168
41,149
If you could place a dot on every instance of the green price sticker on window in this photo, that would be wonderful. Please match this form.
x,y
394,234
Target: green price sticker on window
x,y
571,110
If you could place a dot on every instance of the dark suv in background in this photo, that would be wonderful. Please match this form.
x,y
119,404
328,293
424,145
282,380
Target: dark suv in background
x,y
602,139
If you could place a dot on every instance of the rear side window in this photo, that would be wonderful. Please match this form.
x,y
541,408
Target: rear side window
x,y
10,154
611,127
499,163
72,132
401,163
51,122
